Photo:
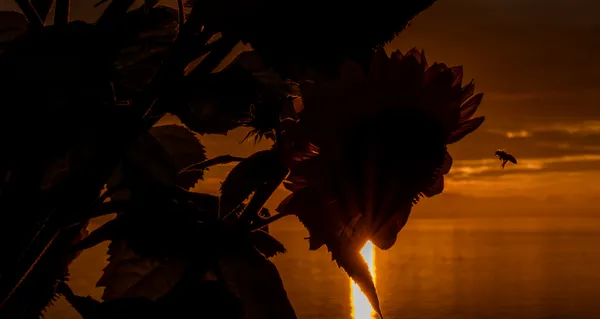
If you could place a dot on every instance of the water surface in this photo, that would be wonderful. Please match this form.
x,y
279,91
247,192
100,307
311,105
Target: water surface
x,y
451,269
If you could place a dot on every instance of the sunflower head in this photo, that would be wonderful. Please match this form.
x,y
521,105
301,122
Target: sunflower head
x,y
382,137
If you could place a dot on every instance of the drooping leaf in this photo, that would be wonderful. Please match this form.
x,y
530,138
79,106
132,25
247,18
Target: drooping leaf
x,y
90,308
141,56
207,205
246,177
150,158
159,221
110,230
162,225
266,244
128,275
191,297
195,297
165,150
185,149
310,209
256,281
37,292
217,102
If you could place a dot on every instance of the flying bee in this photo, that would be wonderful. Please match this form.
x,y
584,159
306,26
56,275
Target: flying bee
x,y
505,157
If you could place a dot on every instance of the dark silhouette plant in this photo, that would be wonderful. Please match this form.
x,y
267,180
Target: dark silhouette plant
x,y
357,137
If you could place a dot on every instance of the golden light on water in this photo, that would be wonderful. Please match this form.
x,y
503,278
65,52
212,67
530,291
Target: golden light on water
x,y
361,308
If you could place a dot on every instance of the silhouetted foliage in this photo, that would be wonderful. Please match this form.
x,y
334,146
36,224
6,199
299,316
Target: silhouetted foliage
x,y
300,38
12,24
358,137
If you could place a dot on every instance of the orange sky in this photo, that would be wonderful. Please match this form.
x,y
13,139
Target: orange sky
x,y
537,63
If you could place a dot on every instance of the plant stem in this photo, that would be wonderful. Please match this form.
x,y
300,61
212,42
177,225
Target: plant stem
x,y
29,11
109,192
61,12
180,17
262,195
223,159
99,210
267,221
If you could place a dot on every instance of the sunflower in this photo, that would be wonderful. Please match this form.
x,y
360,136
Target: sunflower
x,y
382,139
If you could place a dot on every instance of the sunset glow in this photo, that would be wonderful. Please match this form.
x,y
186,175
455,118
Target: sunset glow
x,y
361,309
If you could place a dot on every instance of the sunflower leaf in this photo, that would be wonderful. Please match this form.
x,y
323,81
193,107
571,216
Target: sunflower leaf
x,y
108,231
266,244
165,150
256,281
128,275
216,103
185,149
142,55
149,156
245,178
309,209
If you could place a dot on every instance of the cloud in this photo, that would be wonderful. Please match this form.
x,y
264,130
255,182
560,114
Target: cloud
x,y
572,185
474,169
532,140
510,97
582,128
514,134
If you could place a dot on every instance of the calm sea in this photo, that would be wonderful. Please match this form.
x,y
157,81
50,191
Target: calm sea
x,y
451,269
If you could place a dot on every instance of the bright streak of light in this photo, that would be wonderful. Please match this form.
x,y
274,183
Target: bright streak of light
x,y
361,308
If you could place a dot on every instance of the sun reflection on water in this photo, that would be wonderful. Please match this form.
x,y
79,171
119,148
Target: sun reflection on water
x,y
361,309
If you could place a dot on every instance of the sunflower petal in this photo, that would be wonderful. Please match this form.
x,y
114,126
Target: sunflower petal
x,y
385,237
468,109
379,63
447,164
465,129
415,53
458,75
404,76
433,71
424,60
356,267
437,187
467,92
351,72
397,54
441,97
